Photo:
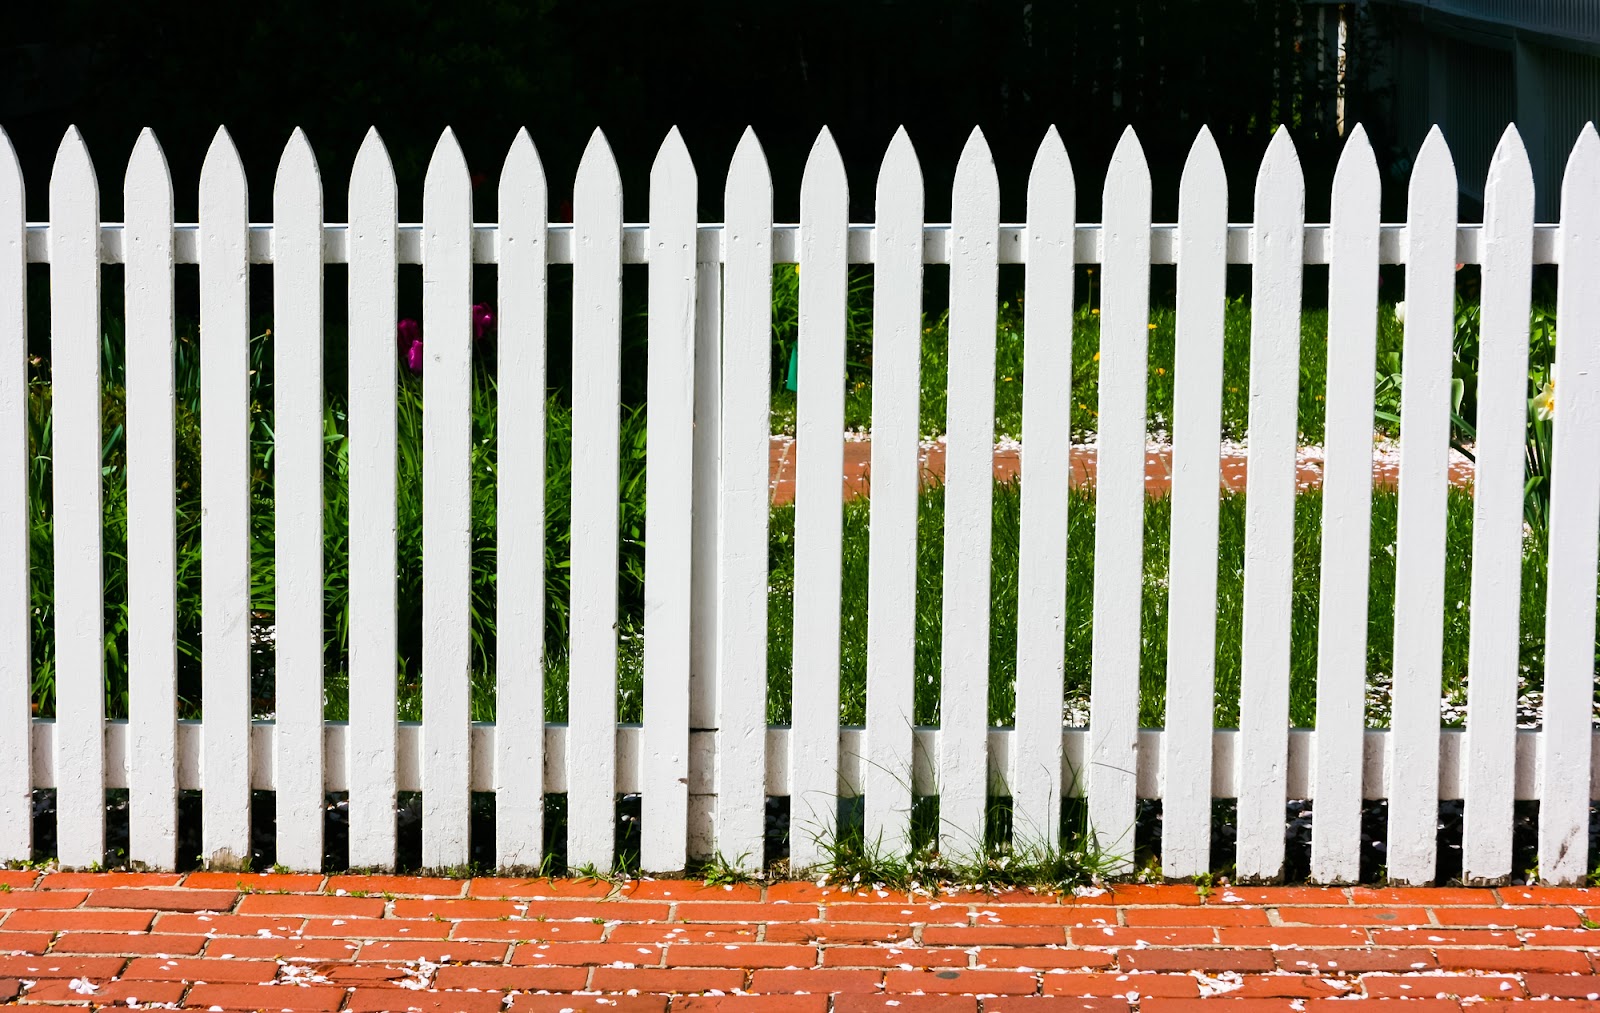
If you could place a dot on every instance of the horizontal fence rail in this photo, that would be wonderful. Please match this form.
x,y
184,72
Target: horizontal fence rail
x,y
1088,244
704,758
633,760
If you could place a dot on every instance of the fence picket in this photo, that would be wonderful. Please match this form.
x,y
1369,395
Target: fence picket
x,y
1046,473
520,507
703,568
1346,515
152,554
1497,486
969,505
1419,549
1119,504
896,467
225,506
669,455
446,503
742,573
818,516
75,470
374,631
16,604
596,394
1564,795
1278,246
1196,472
297,487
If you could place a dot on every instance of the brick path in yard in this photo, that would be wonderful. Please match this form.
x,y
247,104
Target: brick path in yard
x,y
219,941
1233,460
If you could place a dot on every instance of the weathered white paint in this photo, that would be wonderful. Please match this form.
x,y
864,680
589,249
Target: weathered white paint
x,y
1346,514
76,496
1042,562
521,346
152,551
1497,487
703,566
225,505
669,507
297,486
1088,243
1419,551
818,515
1196,467
742,509
892,537
596,390
374,631
1269,509
968,501
447,342
16,605
1119,504
1574,526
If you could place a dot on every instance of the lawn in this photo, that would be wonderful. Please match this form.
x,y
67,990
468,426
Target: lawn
x,y
1076,648
1085,380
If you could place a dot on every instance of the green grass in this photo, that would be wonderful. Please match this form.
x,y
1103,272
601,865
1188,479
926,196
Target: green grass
x,y
1085,379
1079,614
1076,646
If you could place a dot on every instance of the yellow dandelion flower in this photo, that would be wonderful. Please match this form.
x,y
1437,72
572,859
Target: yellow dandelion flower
x,y
1152,327
1161,371
1097,356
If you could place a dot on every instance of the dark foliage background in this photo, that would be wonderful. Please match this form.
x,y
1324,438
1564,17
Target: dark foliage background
x,y
562,67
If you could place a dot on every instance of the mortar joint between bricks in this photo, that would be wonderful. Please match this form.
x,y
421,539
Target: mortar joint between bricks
x,y
1273,917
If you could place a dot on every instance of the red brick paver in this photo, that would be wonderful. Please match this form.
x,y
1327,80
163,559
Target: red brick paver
x,y
1232,464
370,945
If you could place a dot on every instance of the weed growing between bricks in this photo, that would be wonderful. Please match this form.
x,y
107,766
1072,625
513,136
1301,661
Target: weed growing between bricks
x,y
1006,861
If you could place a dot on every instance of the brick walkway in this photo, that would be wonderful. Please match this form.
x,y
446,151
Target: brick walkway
x,y
1233,460
230,942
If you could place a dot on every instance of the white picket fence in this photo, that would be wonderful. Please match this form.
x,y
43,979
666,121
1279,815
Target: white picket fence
x,y
704,758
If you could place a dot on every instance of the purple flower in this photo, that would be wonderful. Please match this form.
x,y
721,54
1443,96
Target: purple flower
x,y
407,333
482,320
413,357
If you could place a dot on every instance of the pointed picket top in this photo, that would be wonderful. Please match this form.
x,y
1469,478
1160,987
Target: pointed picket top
x,y
1281,153
1129,173
1433,176
73,170
1357,172
223,169
1280,189
900,178
11,184
523,166
1510,173
372,182
748,169
299,180
976,166
1052,169
597,170
1203,173
147,169
824,169
673,161
448,168
1583,167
